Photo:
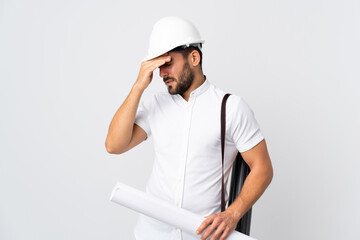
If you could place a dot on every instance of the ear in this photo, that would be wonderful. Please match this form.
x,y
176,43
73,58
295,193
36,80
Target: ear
x,y
194,58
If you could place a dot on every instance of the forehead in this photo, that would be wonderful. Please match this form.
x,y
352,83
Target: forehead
x,y
175,55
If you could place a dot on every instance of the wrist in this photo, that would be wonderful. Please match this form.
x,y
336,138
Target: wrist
x,y
235,213
138,88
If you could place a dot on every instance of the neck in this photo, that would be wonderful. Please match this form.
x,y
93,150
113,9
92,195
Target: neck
x,y
198,81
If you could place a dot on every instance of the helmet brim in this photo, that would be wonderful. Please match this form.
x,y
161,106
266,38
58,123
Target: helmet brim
x,y
158,54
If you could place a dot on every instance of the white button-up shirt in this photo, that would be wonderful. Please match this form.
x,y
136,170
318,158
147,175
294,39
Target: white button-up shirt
x,y
187,144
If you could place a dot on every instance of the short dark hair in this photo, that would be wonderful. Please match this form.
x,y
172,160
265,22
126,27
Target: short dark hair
x,y
185,51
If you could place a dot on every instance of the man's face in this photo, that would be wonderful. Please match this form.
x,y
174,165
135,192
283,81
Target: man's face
x,y
177,74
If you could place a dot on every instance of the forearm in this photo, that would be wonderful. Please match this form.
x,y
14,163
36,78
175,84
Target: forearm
x,y
254,186
121,126
256,182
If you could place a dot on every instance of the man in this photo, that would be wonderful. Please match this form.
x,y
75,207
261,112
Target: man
x,y
185,125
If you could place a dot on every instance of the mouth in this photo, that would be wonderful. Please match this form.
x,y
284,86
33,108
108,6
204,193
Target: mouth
x,y
169,81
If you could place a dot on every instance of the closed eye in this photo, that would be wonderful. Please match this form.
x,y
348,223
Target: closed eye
x,y
168,63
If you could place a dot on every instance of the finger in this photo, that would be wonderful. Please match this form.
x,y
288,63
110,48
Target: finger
x,y
162,57
152,64
159,59
225,234
158,62
205,223
219,230
211,229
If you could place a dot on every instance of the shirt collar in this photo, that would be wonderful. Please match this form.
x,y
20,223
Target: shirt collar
x,y
198,91
201,89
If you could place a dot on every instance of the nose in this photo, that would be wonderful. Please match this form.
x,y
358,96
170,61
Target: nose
x,y
162,71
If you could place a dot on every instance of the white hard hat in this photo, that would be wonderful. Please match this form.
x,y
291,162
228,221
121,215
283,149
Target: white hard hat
x,y
171,32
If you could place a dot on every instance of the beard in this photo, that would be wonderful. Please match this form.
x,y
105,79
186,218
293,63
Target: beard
x,y
184,81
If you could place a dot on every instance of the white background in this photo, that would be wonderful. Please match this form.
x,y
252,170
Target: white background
x,y
66,67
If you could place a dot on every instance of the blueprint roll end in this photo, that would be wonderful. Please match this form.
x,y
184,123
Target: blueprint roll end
x,y
114,191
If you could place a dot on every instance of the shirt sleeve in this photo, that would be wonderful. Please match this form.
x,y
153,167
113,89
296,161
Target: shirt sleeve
x,y
244,129
142,116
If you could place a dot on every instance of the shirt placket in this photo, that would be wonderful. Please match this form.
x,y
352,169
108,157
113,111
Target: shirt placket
x,y
183,159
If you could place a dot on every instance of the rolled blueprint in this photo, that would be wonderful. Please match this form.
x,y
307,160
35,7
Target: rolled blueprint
x,y
161,210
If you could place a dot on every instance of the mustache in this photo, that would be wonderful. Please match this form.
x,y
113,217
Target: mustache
x,y
168,78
